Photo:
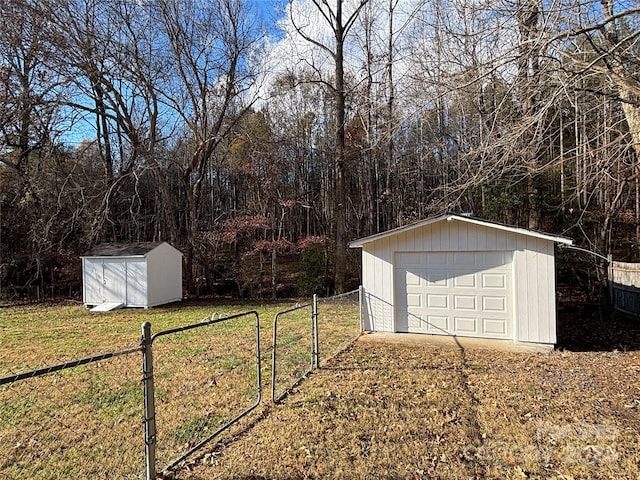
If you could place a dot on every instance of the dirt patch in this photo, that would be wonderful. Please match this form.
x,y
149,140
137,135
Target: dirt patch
x,y
584,326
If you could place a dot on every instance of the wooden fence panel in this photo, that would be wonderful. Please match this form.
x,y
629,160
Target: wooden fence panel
x,y
624,281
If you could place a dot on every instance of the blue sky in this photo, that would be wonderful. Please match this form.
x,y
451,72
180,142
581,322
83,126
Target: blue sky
x,y
271,9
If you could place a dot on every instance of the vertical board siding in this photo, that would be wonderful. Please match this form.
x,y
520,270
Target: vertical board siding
x,y
520,294
542,330
551,285
533,273
136,283
480,235
164,275
535,291
378,284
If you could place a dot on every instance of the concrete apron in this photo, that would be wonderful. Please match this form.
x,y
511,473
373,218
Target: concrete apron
x,y
445,341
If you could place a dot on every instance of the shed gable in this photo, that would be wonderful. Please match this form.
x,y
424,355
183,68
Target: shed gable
x,y
406,298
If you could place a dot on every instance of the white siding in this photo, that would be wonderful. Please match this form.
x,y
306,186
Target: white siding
x,y
136,282
533,278
378,315
91,281
536,290
164,267
114,282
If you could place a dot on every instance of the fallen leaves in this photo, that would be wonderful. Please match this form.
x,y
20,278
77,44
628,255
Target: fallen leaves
x,y
405,411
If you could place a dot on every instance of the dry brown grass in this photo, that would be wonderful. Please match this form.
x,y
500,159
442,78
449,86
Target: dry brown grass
x,y
85,422
418,411
373,411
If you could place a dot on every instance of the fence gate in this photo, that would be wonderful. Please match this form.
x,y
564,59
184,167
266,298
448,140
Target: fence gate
x,y
294,347
190,372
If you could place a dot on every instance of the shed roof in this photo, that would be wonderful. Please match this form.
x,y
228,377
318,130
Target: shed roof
x,y
121,249
449,217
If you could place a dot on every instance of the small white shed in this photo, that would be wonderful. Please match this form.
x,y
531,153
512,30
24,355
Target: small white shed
x,y
461,276
132,275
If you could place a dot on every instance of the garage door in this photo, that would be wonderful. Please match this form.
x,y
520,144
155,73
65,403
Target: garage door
x,y
455,293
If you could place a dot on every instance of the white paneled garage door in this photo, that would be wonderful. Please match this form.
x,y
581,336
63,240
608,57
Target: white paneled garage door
x,y
454,293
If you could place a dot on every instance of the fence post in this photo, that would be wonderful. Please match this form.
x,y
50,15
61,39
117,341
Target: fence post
x,y
360,305
149,403
314,320
610,279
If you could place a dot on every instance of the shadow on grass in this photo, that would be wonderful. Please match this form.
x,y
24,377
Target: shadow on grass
x,y
586,327
228,437
300,477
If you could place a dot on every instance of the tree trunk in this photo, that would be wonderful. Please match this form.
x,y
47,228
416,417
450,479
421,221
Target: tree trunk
x,y
340,171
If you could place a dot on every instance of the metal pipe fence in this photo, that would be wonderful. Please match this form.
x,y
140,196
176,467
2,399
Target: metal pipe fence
x,y
199,383
293,348
92,418
78,419
339,323
298,344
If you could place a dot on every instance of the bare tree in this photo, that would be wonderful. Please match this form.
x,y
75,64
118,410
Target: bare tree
x,y
210,45
339,25
28,86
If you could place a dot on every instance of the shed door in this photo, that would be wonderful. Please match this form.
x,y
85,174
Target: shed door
x,y
114,281
455,293
93,272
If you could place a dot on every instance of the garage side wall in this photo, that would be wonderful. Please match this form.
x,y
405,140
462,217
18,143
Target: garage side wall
x,y
535,291
377,282
534,273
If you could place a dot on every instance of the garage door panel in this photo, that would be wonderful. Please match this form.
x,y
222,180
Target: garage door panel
x,y
413,279
416,323
437,258
410,259
467,325
464,302
464,259
437,324
491,326
465,281
494,259
494,304
494,280
438,301
455,293
437,279
414,300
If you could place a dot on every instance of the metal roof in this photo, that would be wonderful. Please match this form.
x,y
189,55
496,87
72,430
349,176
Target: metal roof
x,y
461,218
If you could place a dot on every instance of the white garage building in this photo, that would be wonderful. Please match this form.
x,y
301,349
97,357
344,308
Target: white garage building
x,y
131,275
459,275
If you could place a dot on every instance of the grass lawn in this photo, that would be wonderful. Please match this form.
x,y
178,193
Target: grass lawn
x,y
392,411
85,422
420,411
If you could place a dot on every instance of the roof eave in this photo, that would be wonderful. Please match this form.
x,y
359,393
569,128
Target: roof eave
x,y
451,217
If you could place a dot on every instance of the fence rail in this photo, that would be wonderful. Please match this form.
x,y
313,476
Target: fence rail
x,y
64,366
78,419
82,418
201,423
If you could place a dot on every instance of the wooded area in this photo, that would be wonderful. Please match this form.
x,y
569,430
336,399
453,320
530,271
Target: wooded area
x,y
259,149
